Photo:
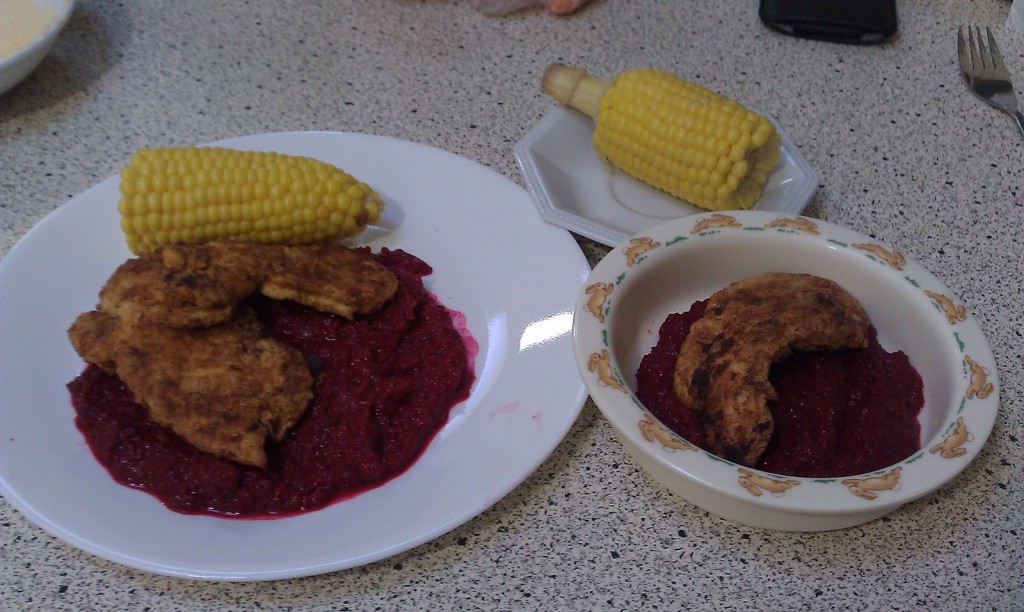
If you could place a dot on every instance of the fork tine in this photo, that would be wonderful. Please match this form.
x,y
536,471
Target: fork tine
x,y
972,44
961,49
994,55
982,67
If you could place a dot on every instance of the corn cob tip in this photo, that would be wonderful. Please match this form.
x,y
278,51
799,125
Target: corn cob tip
x,y
560,81
573,87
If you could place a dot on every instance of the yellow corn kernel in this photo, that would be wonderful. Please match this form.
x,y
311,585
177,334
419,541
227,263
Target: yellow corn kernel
x,y
202,193
674,134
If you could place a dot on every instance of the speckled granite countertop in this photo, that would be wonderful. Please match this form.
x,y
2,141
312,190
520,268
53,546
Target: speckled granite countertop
x,y
905,154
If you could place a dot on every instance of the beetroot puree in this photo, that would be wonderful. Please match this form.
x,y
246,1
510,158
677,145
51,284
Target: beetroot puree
x,y
839,413
389,381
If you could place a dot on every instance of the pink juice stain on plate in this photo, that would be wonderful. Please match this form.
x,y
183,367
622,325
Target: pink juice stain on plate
x,y
459,323
504,409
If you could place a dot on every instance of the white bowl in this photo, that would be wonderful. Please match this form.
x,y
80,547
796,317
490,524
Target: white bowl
x,y
16,67
668,267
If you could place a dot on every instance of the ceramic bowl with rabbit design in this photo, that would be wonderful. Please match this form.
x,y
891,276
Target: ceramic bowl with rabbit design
x,y
668,267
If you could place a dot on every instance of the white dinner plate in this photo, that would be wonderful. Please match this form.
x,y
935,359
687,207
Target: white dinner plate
x,y
514,277
572,188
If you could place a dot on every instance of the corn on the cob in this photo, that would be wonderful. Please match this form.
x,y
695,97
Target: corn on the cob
x,y
172,195
674,134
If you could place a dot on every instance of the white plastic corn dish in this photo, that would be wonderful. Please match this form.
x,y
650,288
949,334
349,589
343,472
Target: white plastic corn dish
x,y
668,267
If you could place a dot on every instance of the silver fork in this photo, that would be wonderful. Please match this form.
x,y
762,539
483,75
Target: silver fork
x,y
985,73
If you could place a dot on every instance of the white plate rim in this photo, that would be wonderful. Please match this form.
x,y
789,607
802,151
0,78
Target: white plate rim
x,y
440,207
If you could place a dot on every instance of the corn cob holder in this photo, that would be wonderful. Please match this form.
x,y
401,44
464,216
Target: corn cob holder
x,y
673,134
172,195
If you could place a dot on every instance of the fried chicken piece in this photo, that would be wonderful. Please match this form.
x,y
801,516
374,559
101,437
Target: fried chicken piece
x,y
224,389
200,285
329,278
184,286
723,365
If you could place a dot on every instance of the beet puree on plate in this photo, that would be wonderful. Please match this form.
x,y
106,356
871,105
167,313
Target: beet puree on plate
x,y
388,382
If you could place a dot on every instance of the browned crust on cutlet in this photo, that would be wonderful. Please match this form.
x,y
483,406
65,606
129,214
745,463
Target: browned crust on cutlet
x,y
178,287
329,278
191,286
723,365
224,389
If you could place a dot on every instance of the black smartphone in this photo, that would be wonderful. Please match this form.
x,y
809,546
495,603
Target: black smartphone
x,y
859,22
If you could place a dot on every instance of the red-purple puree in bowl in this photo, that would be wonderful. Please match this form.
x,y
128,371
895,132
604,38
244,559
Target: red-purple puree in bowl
x,y
839,413
389,381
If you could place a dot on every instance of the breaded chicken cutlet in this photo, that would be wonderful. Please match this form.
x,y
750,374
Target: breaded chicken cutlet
x,y
199,285
172,326
723,365
329,278
187,286
224,388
